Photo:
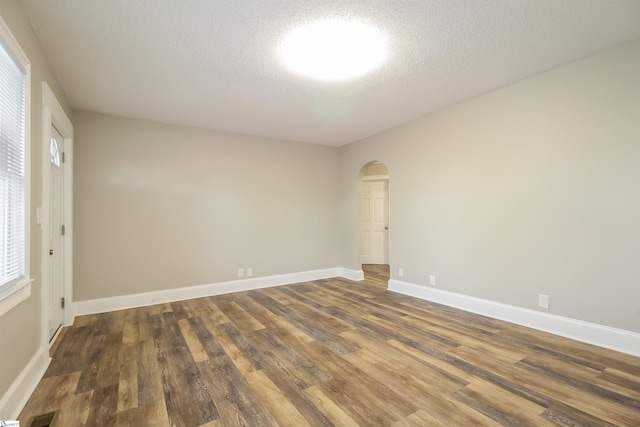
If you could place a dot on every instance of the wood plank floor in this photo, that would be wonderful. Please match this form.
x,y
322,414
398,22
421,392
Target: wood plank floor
x,y
327,352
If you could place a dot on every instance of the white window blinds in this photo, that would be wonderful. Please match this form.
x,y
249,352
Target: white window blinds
x,y
12,177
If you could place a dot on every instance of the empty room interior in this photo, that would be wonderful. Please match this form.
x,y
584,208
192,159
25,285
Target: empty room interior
x,y
381,213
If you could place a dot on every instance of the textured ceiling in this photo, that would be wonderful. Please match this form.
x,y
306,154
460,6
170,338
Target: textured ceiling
x,y
213,63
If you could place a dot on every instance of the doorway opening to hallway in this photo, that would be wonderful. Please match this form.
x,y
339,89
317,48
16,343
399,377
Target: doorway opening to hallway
x,y
373,195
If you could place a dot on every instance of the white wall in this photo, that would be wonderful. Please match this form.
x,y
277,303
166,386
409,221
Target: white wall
x,y
160,207
534,188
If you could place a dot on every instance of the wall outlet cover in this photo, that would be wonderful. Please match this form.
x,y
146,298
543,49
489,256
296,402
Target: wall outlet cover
x,y
543,301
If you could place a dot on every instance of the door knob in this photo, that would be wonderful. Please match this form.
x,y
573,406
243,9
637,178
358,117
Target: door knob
x,y
50,251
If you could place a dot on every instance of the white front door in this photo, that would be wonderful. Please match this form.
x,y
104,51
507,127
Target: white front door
x,y
56,246
374,222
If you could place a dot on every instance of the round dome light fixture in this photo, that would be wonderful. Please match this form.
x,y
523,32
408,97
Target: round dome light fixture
x,y
334,49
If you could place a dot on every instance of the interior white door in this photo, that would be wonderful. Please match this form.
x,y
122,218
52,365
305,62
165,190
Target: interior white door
x,y
56,231
374,221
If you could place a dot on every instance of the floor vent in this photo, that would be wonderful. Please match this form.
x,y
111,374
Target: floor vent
x,y
44,420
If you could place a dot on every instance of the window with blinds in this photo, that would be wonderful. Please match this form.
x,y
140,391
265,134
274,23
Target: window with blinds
x,y
12,170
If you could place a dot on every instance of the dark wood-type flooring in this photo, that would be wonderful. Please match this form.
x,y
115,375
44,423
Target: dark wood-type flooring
x,y
327,352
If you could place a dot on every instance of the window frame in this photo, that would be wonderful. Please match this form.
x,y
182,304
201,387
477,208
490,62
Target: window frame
x,y
13,293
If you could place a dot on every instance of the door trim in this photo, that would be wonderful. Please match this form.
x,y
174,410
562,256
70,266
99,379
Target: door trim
x,y
54,115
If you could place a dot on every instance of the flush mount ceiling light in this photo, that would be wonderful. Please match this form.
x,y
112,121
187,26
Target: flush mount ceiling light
x,y
334,49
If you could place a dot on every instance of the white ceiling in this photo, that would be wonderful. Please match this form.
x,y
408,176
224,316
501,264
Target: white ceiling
x,y
213,63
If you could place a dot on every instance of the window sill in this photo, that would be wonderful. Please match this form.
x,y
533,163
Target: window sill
x,y
19,293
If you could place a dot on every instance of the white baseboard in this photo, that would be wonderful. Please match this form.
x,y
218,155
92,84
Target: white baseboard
x,y
592,333
122,302
347,273
16,397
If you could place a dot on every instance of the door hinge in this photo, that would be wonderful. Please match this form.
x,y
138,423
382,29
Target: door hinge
x,y
63,157
62,229
62,302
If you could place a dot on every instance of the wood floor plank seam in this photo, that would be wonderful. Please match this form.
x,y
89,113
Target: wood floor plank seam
x,y
583,385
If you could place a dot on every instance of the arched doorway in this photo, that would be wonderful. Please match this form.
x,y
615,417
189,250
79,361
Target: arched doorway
x,y
373,199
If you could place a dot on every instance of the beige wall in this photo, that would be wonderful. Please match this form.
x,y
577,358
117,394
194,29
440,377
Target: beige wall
x,y
20,327
531,189
161,207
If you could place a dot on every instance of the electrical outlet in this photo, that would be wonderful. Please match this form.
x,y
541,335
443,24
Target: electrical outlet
x,y
249,271
401,272
241,272
432,280
543,301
